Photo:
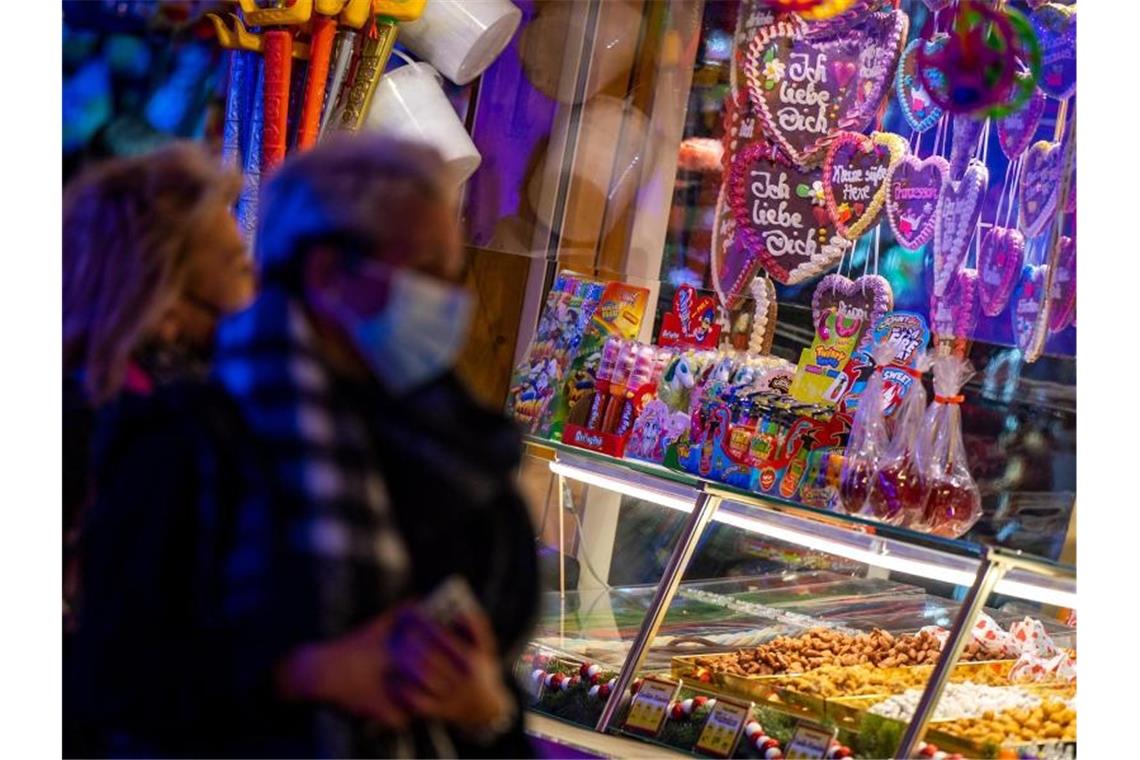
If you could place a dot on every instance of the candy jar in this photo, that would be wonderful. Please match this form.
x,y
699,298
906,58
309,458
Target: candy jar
x,y
898,490
954,503
867,442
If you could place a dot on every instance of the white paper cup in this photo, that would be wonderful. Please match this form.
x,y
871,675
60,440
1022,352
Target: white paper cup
x,y
410,103
461,38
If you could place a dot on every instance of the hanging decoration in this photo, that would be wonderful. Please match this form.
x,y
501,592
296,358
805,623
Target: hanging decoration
x,y
1040,186
913,188
959,206
980,61
763,316
781,222
1056,29
1001,259
965,130
1063,306
915,103
1016,131
857,304
855,178
1029,307
805,89
954,315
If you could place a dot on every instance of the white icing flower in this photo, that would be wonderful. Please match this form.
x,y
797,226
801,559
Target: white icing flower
x,y
774,70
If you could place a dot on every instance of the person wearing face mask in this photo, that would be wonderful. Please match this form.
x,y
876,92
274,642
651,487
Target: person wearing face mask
x,y
334,475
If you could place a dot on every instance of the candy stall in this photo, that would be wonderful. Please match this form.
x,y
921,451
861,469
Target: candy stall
x,y
802,417
782,294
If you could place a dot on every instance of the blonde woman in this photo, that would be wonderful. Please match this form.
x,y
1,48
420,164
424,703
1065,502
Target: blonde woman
x,y
151,259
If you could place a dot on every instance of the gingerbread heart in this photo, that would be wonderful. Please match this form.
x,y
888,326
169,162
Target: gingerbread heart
x,y
1016,131
1000,259
855,178
955,314
804,88
1056,28
780,219
1063,306
1040,186
1028,313
966,131
917,107
913,187
859,304
959,205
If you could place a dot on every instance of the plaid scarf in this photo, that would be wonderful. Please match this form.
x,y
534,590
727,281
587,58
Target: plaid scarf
x,y
328,510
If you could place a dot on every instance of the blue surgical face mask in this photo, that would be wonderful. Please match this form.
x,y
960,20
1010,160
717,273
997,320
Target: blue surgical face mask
x,y
417,335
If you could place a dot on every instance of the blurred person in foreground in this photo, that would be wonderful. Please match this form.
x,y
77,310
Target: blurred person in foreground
x,y
326,481
152,258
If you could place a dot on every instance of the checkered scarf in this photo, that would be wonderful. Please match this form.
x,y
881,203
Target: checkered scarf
x,y
328,509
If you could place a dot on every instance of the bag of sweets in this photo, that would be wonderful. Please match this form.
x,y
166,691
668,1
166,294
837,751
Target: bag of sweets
x,y
954,503
898,491
867,442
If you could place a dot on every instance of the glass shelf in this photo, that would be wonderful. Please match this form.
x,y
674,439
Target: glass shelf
x,y
898,549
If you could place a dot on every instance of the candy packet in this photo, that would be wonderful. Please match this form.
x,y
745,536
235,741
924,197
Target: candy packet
x,y
953,502
867,442
898,489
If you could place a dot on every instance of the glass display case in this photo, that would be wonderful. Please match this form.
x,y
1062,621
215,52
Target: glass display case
x,y
709,615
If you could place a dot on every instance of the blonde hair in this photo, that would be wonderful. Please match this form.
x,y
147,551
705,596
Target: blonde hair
x,y
127,228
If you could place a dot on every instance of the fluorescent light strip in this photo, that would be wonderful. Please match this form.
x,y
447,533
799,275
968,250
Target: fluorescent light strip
x,y
593,478
938,571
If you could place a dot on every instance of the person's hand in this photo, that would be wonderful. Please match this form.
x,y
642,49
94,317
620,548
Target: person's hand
x,y
350,672
453,676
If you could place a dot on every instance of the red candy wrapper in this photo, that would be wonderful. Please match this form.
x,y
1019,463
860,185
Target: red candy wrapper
x,y
898,491
1031,637
1031,668
867,442
953,503
994,641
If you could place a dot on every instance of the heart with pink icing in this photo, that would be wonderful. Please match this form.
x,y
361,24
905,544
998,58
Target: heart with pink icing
x,y
1016,131
1056,28
913,187
855,178
1063,306
966,131
955,314
1040,186
918,108
1028,318
959,206
780,218
859,305
805,87
1000,261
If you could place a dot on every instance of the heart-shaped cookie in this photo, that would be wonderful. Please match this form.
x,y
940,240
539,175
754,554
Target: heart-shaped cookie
x,y
859,305
913,187
1016,131
780,219
855,178
804,88
1000,261
966,131
959,205
1063,306
955,314
917,107
1056,28
1040,186
763,316
1028,313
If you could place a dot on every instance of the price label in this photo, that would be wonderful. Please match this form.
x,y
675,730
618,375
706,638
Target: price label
x,y
809,742
650,707
722,729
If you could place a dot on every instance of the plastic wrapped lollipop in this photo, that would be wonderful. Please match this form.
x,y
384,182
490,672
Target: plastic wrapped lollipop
x,y
954,503
898,491
867,442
